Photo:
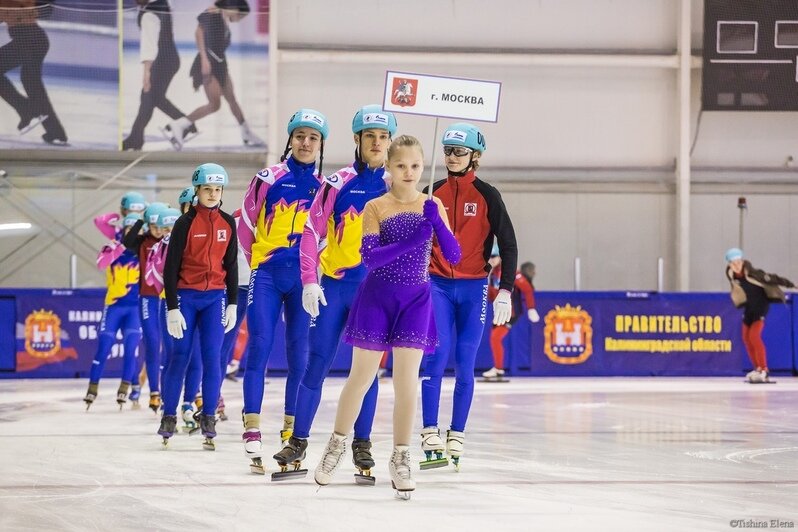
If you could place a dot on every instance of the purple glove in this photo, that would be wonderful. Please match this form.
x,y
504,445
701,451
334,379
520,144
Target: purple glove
x,y
376,256
432,213
446,240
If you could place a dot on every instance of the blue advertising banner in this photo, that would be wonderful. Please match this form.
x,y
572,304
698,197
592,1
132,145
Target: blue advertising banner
x,y
640,333
56,333
579,334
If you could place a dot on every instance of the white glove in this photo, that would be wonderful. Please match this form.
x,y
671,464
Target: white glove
x,y
175,323
502,308
311,295
533,315
229,318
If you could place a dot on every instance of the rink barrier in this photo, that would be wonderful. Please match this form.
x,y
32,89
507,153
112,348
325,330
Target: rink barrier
x,y
53,333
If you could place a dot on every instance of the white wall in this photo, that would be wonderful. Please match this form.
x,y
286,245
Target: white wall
x,y
584,155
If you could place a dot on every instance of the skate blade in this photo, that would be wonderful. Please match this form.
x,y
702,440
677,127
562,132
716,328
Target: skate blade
x,y
257,144
165,444
496,379
176,144
35,121
456,463
760,382
208,445
258,469
402,495
193,431
365,479
288,475
433,464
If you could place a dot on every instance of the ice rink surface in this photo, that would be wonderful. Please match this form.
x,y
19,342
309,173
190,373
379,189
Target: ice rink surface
x,y
635,454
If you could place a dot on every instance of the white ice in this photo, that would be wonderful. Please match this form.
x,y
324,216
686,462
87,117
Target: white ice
x,y
540,454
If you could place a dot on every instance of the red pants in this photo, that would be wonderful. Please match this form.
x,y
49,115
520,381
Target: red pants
x,y
752,338
497,335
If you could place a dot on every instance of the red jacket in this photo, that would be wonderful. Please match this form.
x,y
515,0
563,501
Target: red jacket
x,y
202,253
141,245
476,213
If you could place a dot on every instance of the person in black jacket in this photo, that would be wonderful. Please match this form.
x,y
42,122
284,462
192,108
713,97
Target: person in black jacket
x,y
160,61
753,290
27,49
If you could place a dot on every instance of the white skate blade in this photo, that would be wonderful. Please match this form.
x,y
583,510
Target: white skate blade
x,y
176,144
402,495
35,121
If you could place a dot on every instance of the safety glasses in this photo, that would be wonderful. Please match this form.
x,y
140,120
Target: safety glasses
x,y
459,151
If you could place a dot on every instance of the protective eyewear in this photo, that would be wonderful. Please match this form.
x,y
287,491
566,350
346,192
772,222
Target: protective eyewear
x,y
459,151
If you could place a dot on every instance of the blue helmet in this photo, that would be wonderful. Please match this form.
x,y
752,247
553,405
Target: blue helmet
x,y
373,117
131,219
167,217
210,174
464,134
734,254
309,118
133,201
186,196
152,211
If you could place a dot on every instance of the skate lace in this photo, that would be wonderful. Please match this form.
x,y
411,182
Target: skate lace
x,y
401,464
334,452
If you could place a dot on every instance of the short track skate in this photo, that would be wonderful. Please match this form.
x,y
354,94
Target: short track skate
x,y
257,466
435,460
289,459
361,457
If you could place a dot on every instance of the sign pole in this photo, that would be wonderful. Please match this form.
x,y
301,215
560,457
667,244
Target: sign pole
x,y
434,159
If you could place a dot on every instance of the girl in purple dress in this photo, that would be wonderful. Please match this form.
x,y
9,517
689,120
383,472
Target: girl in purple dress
x,y
393,306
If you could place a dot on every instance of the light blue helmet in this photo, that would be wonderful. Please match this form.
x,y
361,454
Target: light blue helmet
x,y
210,174
134,201
131,219
186,196
373,117
464,134
152,211
309,118
167,217
734,254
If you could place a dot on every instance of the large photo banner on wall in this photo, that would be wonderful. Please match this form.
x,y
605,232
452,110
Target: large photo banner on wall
x,y
59,74
195,75
157,75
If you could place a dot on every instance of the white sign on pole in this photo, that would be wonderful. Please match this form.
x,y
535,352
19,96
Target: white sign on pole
x,y
439,96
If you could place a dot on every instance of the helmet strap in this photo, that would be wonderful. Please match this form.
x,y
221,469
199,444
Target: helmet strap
x,y
287,148
321,158
359,164
463,172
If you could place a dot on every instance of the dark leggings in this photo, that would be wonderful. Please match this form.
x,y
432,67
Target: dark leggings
x,y
161,76
28,47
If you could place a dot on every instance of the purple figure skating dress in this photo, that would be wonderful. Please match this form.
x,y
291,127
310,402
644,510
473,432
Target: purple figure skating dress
x,y
393,306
